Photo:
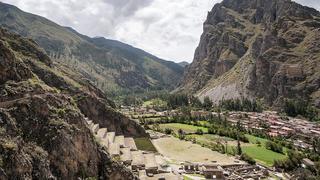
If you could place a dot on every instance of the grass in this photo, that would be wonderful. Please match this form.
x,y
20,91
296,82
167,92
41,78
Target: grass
x,y
144,144
207,138
254,139
155,102
262,155
180,151
194,175
186,178
259,153
185,127
197,175
146,116
204,123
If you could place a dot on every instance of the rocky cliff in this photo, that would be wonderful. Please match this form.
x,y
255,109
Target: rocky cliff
x,y
266,49
43,106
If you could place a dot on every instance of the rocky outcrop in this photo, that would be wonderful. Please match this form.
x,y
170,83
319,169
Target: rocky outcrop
x,y
96,109
43,132
266,49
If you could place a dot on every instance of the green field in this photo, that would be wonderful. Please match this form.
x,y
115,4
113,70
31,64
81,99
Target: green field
x,y
262,155
254,139
207,138
204,123
185,127
144,144
193,175
259,153
137,116
155,102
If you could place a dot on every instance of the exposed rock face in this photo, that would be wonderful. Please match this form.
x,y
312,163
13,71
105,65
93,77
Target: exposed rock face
x,y
43,134
96,109
266,49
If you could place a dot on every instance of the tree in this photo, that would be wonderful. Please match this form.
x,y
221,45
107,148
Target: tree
x,y
199,131
195,102
181,134
274,147
317,168
247,158
186,111
168,131
156,127
292,162
258,143
178,100
239,150
294,108
316,144
207,103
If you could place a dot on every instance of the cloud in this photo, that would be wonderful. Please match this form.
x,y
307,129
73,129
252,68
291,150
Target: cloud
x,y
167,28
170,29
311,3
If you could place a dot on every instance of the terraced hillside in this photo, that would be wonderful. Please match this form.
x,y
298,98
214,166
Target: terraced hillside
x,y
43,131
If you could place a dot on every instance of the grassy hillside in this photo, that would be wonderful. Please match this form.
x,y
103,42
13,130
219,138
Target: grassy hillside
x,y
112,66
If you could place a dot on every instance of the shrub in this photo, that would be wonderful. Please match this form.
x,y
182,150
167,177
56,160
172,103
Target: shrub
x,y
274,147
199,131
247,158
168,131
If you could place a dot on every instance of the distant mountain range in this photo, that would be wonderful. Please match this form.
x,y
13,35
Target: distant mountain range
x,y
183,63
111,65
257,49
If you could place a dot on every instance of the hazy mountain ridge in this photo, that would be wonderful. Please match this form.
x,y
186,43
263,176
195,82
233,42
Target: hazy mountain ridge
x,y
110,64
257,49
183,63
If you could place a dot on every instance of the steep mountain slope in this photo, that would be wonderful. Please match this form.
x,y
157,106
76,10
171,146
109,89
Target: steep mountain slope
x,y
112,65
43,131
183,64
267,49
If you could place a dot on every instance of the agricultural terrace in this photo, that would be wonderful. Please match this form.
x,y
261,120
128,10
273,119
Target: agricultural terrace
x,y
144,144
155,103
185,127
180,151
255,148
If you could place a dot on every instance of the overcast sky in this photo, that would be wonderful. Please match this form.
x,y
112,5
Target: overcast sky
x,y
169,29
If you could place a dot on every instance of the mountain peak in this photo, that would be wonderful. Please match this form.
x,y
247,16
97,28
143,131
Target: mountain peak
x,y
262,11
264,49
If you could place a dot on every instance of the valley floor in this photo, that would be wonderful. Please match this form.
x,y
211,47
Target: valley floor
x,y
180,151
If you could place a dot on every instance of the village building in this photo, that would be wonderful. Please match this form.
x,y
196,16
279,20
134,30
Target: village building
x,y
212,172
190,167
